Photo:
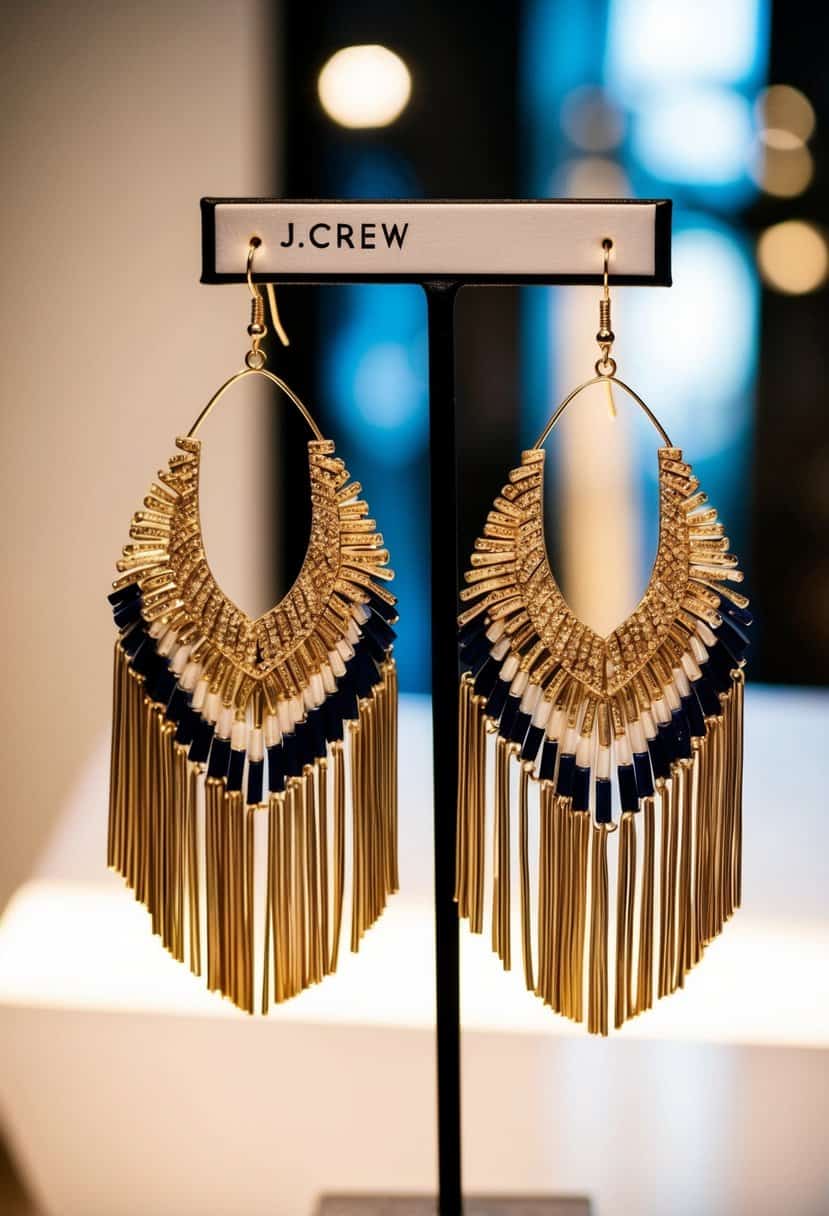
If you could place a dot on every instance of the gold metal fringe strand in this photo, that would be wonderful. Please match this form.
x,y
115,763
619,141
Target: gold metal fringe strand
x,y
625,912
644,969
580,847
597,1020
501,849
524,862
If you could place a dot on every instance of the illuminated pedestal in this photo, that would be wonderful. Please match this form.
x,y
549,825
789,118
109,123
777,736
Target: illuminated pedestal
x,y
127,1089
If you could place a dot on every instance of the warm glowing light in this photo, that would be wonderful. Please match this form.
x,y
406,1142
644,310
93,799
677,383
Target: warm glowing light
x,y
364,86
784,114
591,121
783,172
793,257
594,177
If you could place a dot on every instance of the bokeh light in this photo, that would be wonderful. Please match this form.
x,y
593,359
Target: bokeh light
x,y
785,116
784,172
364,86
591,121
793,257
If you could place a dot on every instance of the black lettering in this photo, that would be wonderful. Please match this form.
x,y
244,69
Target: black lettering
x,y
312,231
394,235
345,233
287,244
367,234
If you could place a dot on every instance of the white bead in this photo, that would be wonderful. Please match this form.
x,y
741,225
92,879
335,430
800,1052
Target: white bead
x,y
361,613
352,633
518,685
541,716
496,629
603,763
509,668
698,650
690,668
623,752
239,735
328,681
213,707
179,659
705,633
672,697
168,641
660,709
317,689
637,737
568,743
530,698
297,709
224,722
584,751
681,681
648,724
501,649
156,629
307,699
189,677
337,665
200,694
256,750
273,735
286,721
344,650
555,724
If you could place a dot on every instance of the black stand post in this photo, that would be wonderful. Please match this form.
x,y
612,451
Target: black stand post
x,y
444,592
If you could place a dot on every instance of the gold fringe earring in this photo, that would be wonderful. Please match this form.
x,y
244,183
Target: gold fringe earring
x,y
220,722
653,710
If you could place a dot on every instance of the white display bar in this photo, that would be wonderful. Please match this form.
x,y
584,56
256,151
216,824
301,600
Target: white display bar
x,y
551,240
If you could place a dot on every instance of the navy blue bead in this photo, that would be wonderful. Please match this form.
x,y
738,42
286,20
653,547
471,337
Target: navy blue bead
x,y
520,727
741,615
332,718
696,722
160,684
708,700
472,629
667,736
387,611
304,745
316,730
187,725
642,771
487,677
628,795
547,771
581,788
255,771
380,630
202,738
347,697
716,675
236,769
682,734
132,641
734,638
123,594
374,648
179,703
127,614
497,698
566,774
276,769
474,651
290,755
659,761
219,758
604,801
532,743
508,716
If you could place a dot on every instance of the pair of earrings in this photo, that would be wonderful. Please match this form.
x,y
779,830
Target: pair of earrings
x,y
244,873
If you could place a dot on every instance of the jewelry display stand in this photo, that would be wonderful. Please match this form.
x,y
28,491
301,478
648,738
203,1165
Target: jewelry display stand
x,y
443,246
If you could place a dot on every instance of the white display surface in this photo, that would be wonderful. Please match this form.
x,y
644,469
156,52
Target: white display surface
x,y
453,239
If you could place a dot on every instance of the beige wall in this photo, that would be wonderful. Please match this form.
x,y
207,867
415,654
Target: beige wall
x,y
116,118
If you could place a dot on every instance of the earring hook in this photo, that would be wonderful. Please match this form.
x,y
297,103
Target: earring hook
x,y
606,366
257,329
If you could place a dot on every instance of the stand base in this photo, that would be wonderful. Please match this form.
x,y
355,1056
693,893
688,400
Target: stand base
x,y
476,1205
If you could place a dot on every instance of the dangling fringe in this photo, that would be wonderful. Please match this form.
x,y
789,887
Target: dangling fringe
x,y
625,913
691,833
501,849
597,995
644,970
155,841
524,857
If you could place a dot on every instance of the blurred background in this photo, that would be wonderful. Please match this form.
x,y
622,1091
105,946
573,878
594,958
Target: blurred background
x,y
116,119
